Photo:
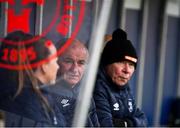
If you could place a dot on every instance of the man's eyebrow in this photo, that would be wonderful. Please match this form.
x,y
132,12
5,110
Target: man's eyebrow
x,y
66,58
82,61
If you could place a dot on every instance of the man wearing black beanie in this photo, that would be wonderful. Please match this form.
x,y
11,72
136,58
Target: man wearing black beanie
x,y
114,101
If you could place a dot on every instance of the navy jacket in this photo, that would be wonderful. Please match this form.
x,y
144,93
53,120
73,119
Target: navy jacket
x,y
116,105
66,98
26,109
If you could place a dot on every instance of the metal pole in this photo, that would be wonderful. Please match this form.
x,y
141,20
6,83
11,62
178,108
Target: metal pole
x,y
89,79
70,20
95,11
178,84
6,18
140,78
123,16
39,19
2,20
160,83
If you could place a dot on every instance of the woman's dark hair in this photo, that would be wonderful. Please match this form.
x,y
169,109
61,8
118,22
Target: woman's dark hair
x,y
23,49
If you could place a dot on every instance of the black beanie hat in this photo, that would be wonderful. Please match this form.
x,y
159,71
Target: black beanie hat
x,y
118,49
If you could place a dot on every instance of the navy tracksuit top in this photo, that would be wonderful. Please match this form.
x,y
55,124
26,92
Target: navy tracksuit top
x,y
66,98
113,102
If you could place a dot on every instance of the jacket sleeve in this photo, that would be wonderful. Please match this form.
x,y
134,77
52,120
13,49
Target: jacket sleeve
x,y
139,118
103,107
93,115
14,120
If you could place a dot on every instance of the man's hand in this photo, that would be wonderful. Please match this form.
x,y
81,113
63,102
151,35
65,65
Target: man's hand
x,y
122,122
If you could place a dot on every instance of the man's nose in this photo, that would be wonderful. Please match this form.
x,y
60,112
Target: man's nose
x,y
74,66
126,68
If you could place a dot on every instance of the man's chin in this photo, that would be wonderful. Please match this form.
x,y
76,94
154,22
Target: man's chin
x,y
72,82
122,83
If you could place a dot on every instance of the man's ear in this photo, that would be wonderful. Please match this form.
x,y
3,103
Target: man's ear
x,y
44,68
